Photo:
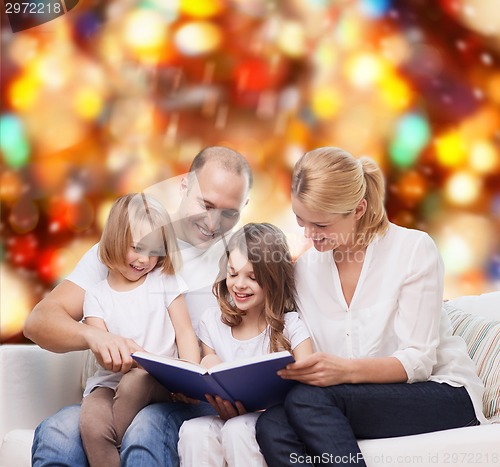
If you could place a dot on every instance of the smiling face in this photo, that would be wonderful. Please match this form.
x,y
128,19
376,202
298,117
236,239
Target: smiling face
x,y
142,255
328,231
246,293
212,200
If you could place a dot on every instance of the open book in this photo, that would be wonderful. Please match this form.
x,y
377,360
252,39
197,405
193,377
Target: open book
x,y
252,381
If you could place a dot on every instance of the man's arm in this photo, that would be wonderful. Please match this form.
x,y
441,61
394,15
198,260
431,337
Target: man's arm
x,y
54,324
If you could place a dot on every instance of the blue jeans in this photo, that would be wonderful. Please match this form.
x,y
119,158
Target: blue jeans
x,y
325,422
151,439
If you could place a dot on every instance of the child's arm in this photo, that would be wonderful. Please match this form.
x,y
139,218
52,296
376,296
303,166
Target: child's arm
x,y
185,338
210,358
304,349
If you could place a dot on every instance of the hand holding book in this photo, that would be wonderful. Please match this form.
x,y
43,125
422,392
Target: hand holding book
x,y
253,382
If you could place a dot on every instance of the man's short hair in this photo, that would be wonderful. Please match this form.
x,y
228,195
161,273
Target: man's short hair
x,y
227,158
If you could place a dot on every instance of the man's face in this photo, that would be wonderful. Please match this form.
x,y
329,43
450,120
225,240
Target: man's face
x,y
211,204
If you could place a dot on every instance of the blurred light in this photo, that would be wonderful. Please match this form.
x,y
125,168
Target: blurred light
x,y
451,150
201,8
493,88
292,39
325,57
395,92
10,185
457,255
22,250
349,31
375,8
23,49
24,216
325,102
198,38
463,188
88,102
481,16
145,34
395,49
168,9
13,142
364,70
412,135
16,302
23,92
464,241
483,157
412,187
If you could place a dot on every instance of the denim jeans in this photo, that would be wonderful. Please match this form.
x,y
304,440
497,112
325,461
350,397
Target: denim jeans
x,y
317,426
151,439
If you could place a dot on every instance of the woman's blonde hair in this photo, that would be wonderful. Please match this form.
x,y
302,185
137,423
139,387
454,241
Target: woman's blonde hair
x,y
332,181
129,213
267,250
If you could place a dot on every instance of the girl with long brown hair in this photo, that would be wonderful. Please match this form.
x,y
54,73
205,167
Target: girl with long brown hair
x,y
256,315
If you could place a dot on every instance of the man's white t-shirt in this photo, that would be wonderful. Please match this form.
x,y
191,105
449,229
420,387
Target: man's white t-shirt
x,y
219,336
140,314
396,310
199,271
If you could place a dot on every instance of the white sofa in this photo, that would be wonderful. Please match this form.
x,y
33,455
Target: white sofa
x,y
35,383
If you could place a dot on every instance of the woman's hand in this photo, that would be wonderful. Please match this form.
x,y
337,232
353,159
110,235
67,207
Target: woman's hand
x,y
319,369
224,408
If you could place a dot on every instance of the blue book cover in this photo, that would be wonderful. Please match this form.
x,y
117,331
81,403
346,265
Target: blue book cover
x,y
251,381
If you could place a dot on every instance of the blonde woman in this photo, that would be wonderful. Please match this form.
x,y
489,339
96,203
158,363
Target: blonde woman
x,y
140,299
370,293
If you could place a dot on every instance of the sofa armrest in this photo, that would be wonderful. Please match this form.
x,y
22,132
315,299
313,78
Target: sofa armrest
x,y
36,383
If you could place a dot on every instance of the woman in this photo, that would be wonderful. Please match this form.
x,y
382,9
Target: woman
x,y
370,293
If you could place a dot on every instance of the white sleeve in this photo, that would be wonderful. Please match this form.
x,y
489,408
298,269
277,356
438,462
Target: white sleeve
x,y
174,286
419,311
206,328
91,305
295,329
89,270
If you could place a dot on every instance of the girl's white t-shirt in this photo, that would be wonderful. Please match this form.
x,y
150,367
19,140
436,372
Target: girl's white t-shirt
x,y
396,310
140,314
219,336
199,271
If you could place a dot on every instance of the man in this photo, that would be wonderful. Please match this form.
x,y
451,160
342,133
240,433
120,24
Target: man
x,y
212,197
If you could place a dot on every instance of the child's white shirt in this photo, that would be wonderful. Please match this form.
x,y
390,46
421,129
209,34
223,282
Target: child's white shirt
x,y
199,271
140,314
218,336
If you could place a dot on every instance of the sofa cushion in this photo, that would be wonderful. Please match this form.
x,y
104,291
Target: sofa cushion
x,y
486,305
16,448
482,337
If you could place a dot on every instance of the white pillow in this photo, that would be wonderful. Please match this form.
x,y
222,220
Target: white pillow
x,y
482,337
487,305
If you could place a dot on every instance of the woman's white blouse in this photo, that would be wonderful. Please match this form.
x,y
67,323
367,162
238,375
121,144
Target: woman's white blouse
x,y
396,310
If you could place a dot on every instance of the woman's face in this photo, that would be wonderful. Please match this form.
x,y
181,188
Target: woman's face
x,y
328,231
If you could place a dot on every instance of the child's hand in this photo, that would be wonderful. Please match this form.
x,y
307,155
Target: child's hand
x,y
210,360
224,408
